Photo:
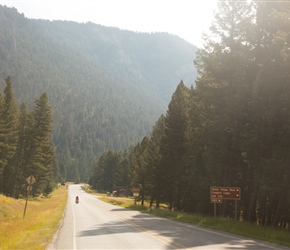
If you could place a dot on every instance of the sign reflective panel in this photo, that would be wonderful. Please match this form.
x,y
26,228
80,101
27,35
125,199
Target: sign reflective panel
x,y
226,193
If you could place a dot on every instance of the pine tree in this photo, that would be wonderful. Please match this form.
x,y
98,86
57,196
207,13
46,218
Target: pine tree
x,y
139,168
9,133
225,89
173,146
96,178
108,172
41,155
18,164
266,145
243,91
154,162
199,177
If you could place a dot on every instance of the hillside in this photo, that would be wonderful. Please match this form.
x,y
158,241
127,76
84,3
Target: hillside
x,y
106,86
154,63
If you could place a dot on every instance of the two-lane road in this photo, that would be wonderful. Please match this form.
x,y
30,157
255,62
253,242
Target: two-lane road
x,y
94,224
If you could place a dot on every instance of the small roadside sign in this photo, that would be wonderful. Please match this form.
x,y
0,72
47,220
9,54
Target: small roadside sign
x,y
136,191
31,180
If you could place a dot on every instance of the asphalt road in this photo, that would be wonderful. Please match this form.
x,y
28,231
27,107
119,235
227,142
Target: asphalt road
x,y
94,224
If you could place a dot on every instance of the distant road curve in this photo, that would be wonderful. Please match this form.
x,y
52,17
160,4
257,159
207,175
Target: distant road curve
x,y
94,224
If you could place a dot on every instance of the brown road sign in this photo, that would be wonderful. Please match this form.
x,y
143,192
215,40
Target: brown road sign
x,y
227,193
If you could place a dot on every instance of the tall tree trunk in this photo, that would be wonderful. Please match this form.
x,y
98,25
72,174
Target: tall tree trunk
x,y
253,200
280,206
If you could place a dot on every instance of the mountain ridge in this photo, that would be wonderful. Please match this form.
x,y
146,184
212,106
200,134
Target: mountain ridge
x,y
104,95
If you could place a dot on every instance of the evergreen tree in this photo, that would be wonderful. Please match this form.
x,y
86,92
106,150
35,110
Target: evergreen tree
x,y
25,143
242,86
9,133
108,172
266,145
154,162
224,88
173,147
17,174
41,156
233,128
139,168
96,178
199,177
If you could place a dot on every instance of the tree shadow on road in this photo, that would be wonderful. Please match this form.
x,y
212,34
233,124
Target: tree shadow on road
x,y
176,235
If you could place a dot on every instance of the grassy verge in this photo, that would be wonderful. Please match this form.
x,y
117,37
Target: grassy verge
x,y
39,225
277,236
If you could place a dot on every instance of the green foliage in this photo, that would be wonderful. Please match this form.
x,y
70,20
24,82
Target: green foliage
x,y
104,84
110,172
26,146
151,64
41,152
172,147
232,129
9,123
242,93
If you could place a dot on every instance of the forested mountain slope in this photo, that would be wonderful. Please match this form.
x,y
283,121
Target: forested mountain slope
x,y
106,86
154,63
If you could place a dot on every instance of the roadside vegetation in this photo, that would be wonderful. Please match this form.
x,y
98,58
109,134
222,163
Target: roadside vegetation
x,y
231,129
44,214
41,221
268,234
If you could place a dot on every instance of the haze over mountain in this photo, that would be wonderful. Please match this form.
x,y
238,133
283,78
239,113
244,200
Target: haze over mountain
x,y
106,86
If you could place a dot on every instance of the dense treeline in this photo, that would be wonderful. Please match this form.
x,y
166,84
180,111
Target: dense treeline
x,y
104,84
232,129
25,145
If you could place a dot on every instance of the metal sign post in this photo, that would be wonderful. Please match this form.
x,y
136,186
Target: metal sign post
x,y
30,181
136,192
218,194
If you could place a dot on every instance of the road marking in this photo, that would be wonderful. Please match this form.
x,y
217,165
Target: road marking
x,y
176,245
154,235
148,232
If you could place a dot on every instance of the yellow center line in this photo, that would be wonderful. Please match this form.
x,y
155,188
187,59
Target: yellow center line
x,y
150,233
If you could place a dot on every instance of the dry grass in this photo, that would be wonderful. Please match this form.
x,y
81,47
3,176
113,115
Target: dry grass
x,y
40,222
123,202
281,237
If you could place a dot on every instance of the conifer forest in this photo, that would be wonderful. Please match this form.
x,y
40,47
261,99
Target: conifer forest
x,y
232,129
26,146
230,126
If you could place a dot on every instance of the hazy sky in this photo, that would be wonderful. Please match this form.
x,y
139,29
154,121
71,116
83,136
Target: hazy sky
x,y
185,18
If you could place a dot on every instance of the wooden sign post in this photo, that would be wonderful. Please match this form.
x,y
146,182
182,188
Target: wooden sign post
x,y
30,181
